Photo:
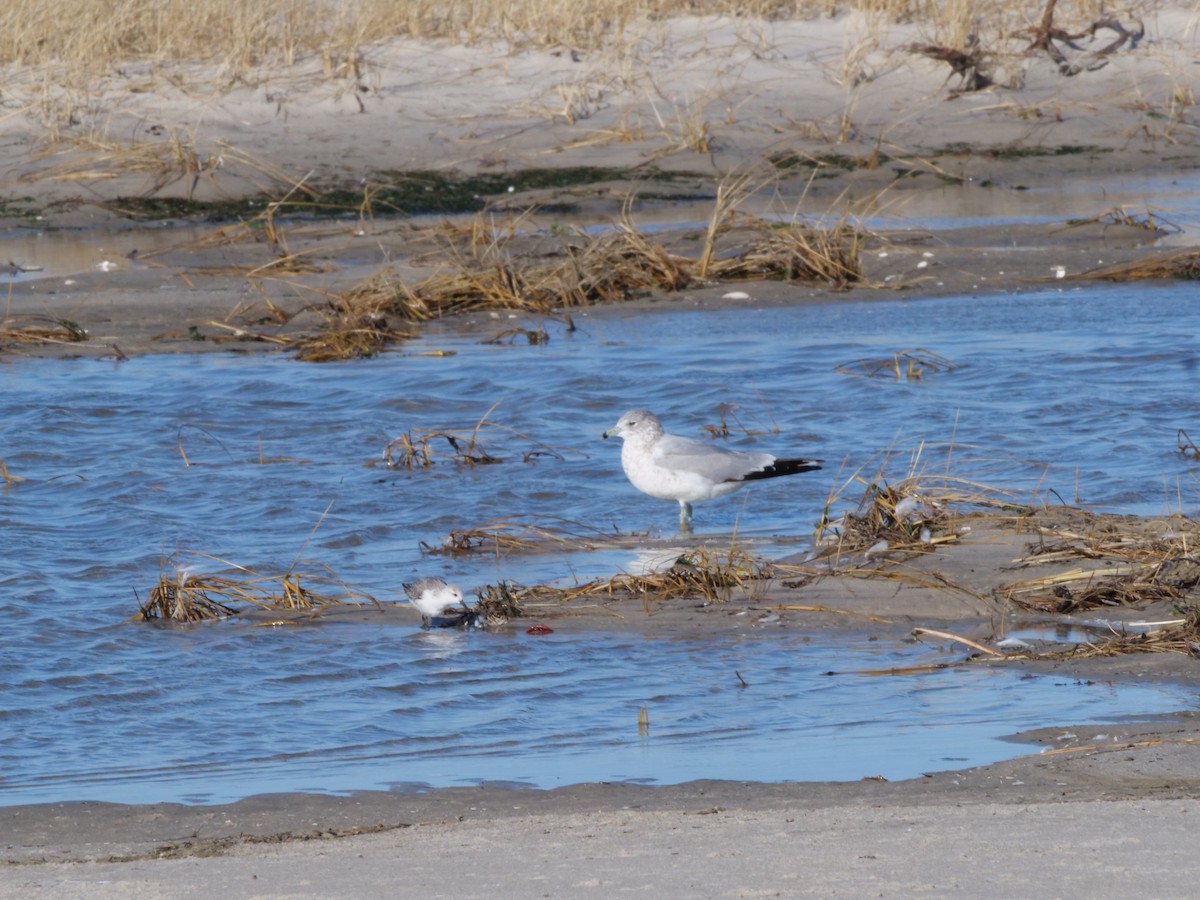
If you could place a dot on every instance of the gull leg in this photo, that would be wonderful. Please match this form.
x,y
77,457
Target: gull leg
x,y
685,517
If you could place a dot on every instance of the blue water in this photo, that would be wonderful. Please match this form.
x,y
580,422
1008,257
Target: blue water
x,y
262,461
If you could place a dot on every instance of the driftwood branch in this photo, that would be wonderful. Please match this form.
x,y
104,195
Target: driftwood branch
x,y
1046,33
968,65
972,64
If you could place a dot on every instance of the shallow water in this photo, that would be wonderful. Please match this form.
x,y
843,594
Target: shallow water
x,y
1079,391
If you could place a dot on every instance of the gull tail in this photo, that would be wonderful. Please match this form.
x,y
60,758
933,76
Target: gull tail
x,y
783,467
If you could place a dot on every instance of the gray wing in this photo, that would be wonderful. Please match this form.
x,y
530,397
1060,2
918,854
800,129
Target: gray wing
x,y
714,463
418,587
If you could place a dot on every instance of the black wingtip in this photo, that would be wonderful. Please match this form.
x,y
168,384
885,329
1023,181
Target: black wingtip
x,y
784,467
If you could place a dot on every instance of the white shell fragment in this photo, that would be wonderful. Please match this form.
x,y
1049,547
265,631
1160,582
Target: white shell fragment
x,y
875,549
906,507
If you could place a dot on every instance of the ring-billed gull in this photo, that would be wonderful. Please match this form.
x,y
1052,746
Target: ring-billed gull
x,y
435,599
686,470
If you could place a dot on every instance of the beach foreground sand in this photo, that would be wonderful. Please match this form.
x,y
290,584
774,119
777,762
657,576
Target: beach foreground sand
x,y
1107,813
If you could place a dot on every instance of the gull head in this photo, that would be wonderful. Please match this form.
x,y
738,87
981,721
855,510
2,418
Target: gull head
x,y
637,423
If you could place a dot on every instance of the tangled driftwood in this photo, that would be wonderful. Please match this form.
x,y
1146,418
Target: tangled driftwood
x,y
973,63
1046,34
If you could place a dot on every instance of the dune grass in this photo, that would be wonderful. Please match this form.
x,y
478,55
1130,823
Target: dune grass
x,y
243,36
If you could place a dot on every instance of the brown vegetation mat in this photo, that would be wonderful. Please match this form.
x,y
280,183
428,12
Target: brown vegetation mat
x,y
486,272
1131,562
908,515
44,331
700,573
180,596
1180,264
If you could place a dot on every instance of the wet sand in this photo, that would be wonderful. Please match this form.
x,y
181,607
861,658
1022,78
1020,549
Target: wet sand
x,y
1105,813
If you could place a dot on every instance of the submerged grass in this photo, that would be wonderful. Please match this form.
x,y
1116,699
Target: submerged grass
x,y
417,449
521,534
903,365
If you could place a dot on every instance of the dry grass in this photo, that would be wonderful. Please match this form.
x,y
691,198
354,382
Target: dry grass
x,y
617,266
1180,264
88,155
1179,636
795,252
41,330
181,596
1122,217
910,514
701,573
351,330
1130,562
244,35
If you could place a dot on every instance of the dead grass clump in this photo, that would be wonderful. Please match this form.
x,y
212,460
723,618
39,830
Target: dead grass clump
x,y
610,268
498,604
1081,588
911,514
1183,265
419,449
351,330
185,597
797,252
1137,563
701,573
57,331
1177,636
1118,216
613,267
619,264
182,599
714,576
903,365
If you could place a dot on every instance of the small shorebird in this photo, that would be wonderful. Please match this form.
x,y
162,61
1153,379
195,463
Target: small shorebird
x,y
435,599
687,470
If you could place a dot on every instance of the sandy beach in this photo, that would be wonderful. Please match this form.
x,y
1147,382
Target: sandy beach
x,y
1084,811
